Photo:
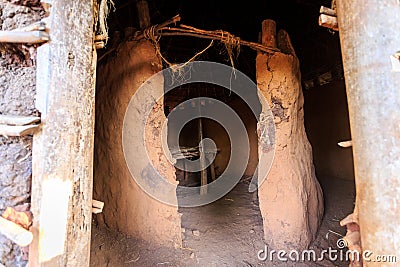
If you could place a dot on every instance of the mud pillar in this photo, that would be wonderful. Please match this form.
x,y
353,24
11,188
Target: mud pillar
x,y
291,199
369,37
128,208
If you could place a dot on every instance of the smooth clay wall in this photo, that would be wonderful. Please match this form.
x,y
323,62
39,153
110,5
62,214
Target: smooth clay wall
x,y
128,208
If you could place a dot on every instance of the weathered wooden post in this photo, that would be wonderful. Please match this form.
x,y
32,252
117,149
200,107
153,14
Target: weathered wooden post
x,y
63,147
369,35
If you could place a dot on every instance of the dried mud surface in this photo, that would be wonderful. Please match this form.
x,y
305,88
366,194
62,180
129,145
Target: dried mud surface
x,y
17,97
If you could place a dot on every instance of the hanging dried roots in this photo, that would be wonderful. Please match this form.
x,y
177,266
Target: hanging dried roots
x,y
178,70
232,45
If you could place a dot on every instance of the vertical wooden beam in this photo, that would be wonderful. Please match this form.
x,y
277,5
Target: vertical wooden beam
x,y
184,171
369,36
63,148
143,14
212,169
203,190
268,36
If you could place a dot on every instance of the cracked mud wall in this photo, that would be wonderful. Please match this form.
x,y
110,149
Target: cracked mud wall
x,y
17,97
128,208
290,198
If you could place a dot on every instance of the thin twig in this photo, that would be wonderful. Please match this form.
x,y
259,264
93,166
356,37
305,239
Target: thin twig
x,y
333,232
134,260
173,20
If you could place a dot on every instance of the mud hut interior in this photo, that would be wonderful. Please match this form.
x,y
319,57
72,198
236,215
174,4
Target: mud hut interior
x,y
287,209
211,133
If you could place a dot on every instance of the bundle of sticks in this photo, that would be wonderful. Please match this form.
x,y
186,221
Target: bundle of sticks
x,y
328,18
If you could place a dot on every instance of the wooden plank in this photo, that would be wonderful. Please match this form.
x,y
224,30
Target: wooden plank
x,y
62,171
15,233
345,144
97,206
7,130
32,37
18,120
96,210
328,22
327,11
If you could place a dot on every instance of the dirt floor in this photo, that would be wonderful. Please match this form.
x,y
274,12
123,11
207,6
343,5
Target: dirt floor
x,y
339,196
227,232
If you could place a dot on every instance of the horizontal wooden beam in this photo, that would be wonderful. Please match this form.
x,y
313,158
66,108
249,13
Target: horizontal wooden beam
x,y
345,144
18,120
328,18
97,206
37,26
30,37
327,11
328,22
164,29
8,130
15,232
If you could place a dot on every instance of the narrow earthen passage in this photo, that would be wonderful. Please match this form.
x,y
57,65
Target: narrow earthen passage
x,y
227,232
